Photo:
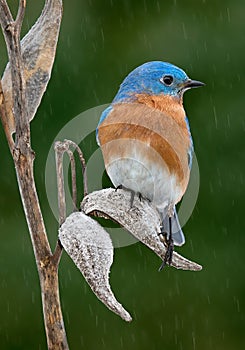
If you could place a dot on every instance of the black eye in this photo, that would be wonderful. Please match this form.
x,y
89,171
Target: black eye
x,y
167,79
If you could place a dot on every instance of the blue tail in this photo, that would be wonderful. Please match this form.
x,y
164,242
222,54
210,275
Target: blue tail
x,y
177,233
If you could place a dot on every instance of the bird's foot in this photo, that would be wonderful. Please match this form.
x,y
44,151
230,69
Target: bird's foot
x,y
140,196
166,238
168,255
121,187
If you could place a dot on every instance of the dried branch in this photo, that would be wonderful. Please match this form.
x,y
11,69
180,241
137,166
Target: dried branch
x,y
15,115
60,149
83,165
73,179
20,15
11,31
23,154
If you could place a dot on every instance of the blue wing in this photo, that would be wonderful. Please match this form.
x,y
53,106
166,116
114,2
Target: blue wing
x,y
104,114
191,149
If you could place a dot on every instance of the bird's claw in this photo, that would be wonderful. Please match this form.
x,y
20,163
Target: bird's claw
x,y
118,188
168,255
166,238
121,187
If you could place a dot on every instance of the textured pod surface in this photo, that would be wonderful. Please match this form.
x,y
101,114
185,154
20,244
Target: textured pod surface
x,y
38,49
91,249
142,220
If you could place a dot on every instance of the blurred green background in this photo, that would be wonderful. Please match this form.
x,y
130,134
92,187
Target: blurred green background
x,y
100,42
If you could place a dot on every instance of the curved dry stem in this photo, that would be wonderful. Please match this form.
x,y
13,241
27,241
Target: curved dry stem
x,y
60,149
83,165
73,179
20,15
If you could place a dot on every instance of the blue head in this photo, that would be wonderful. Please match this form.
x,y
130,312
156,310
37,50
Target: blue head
x,y
155,78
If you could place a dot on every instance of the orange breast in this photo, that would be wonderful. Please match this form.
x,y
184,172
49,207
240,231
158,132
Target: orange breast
x,y
171,106
160,129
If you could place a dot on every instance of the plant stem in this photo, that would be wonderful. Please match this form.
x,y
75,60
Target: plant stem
x,y
23,157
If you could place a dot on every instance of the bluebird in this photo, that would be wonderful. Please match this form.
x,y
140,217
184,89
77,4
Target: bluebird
x,y
146,141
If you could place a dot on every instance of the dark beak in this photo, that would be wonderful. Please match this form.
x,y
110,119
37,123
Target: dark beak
x,y
189,84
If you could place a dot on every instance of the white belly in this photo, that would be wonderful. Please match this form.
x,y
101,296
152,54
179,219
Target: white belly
x,y
141,169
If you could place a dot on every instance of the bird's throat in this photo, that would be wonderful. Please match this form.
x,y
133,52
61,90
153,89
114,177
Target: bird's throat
x,y
169,105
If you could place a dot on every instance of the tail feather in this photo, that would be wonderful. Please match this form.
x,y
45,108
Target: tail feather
x,y
177,233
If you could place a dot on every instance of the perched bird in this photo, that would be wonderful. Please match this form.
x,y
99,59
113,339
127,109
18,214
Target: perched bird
x,y
146,141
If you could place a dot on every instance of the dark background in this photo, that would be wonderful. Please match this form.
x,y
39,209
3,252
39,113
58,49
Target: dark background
x,y
100,42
